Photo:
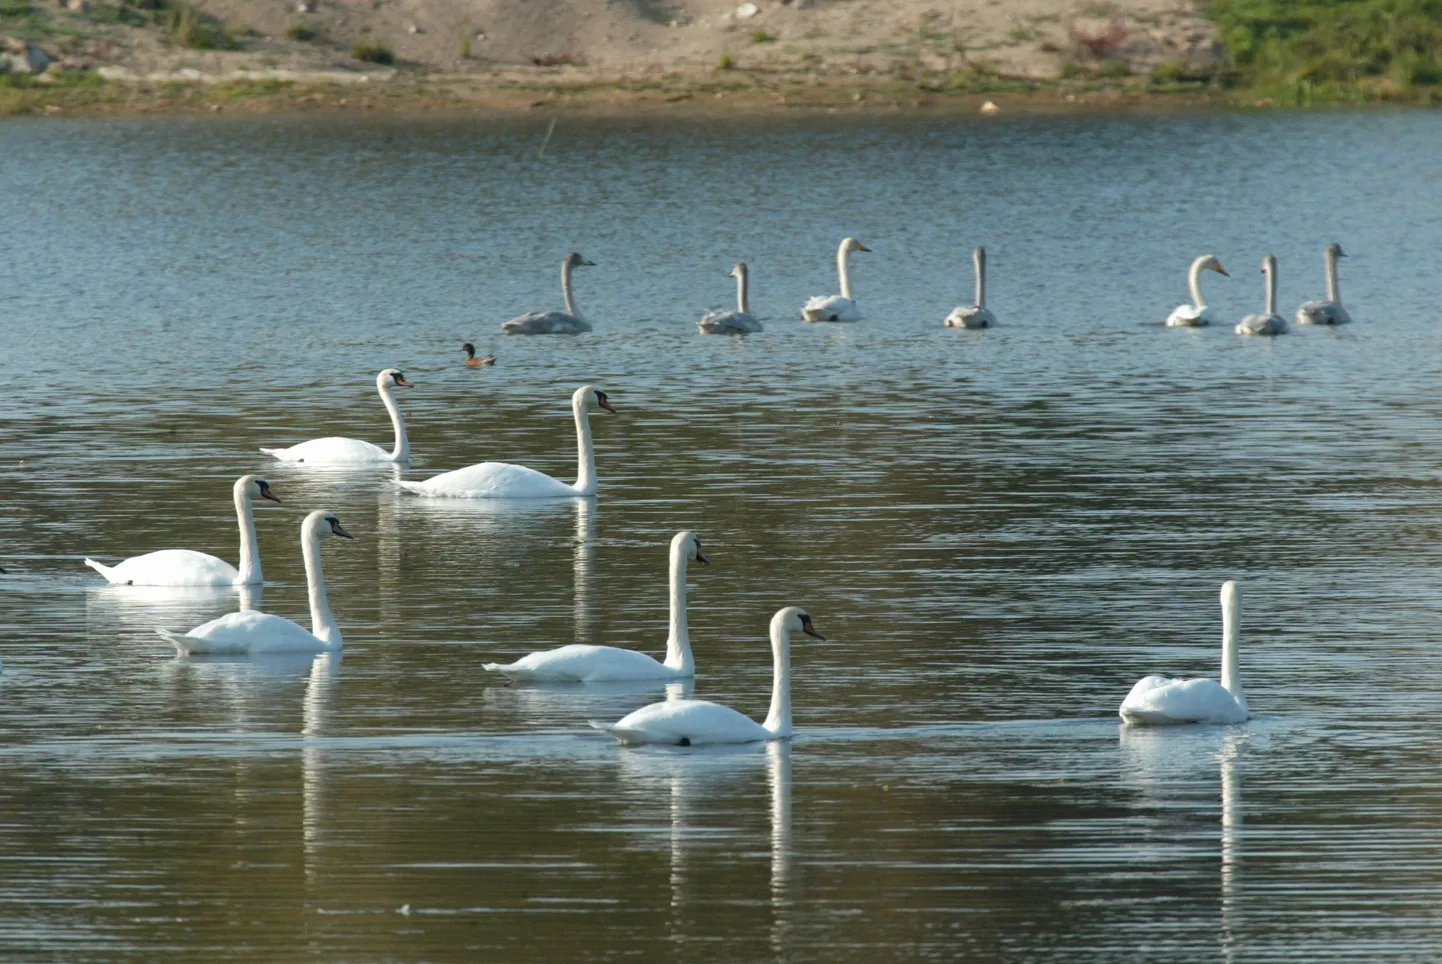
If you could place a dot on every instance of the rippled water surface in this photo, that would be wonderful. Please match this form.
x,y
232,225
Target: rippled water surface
x,y
999,531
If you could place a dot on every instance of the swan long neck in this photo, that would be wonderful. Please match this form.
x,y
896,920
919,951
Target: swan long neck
x,y
678,642
322,621
1271,271
743,301
585,450
842,255
978,258
249,551
566,289
1332,292
778,721
1194,282
1231,673
402,450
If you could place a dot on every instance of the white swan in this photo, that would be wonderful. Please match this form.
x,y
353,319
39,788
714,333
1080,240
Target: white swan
x,y
252,632
186,567
1197,313
698,722
974,316
350,451
738,322
502,480
1158,699
568,322
837,307
594,664
1269,322
1329,312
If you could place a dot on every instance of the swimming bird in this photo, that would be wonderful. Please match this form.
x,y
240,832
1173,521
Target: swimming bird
x,y
1197,313
977,315
738,322
1158,699
699,722
350,451
840,307
568,322
1268,323
502,480
250,632
472,361
1330,311
592,664
186,567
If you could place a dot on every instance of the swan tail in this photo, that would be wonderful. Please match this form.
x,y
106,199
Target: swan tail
x,y
505,669
105,571
184,645
419,488
274,453
621,733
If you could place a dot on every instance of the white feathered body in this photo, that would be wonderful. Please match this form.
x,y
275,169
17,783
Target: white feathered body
x,y
248,632
687,723
1262,325
1322,313
728,323
170,567
1190,316
577,663
830,308
546,323
332,451
973,316
493,480
1159,700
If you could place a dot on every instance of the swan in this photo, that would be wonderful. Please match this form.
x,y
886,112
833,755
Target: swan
x,y
1158,699
697,722
251,632
1269,323
594,664
738,322
502,480
974,316
472,361
1329,312
186,567
568,322
1197,313
837,307
347,451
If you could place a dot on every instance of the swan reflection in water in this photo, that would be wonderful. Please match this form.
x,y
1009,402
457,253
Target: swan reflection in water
x,y
122,610
317,707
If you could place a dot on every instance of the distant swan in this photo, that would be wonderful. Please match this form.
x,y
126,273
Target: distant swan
x,y
738,322
252,632
594,664
837,307
186,567
974,316
1197,313
350,451
1268,323
568,322
1157,699
1329,312
502,480
472,361
697,722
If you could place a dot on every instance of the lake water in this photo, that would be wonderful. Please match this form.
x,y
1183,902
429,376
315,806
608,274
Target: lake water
x,y
998,531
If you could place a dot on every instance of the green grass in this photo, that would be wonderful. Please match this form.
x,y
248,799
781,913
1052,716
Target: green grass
x,y
762,37
304,32
373,53
189,27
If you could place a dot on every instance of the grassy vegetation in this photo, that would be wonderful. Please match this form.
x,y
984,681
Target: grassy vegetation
x,y
373,53
304,32
194,30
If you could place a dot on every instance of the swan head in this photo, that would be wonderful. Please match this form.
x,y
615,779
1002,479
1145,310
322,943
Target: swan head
x,y
849,245
256,488
1209,262
1269,263
690,544
589,395
323,525
1230,593
794,619
390,377
574,260
738,270
1335,250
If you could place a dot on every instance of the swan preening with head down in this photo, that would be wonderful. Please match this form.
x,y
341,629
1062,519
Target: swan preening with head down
x,y
502,480
1330,311
738,322
251,632
186,567
568,322
698,722
1269,322
974,316
350,451
1159,700
1197,313
840,307
594,664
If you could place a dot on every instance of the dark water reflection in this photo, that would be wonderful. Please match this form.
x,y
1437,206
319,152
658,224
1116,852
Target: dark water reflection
x,y
998,531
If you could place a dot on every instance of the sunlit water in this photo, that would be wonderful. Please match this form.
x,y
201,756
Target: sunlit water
x,y
999,531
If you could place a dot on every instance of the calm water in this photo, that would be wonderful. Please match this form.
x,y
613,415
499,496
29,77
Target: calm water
x,y
999,531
